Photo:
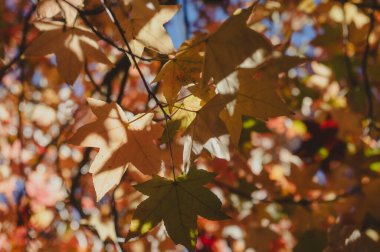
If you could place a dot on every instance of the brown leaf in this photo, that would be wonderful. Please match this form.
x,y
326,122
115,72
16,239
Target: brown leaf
x,y
144,26
71,45
208,131
255,92
50,8
121,142
232,44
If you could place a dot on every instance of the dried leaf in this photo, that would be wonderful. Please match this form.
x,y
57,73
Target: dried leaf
x,y
50,8
144,26
208,131
71,45
231,45
121,142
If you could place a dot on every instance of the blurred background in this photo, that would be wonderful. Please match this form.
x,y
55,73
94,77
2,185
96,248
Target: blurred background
x,y
308,182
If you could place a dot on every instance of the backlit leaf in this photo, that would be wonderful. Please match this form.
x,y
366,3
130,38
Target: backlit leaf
x,y
121,143
177,204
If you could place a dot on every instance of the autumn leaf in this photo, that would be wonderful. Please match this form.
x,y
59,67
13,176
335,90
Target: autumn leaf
x,y
177,204
50,8
255,92
234,125
231,45
71,45
182,69
208,131
144,26
121,143
182,114
185,112
255,88
257,96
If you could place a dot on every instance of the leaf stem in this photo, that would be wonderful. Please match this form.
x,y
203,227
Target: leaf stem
x,y
123,84
170,149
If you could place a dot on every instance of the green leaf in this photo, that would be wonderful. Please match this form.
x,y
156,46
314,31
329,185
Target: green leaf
x,y
177,203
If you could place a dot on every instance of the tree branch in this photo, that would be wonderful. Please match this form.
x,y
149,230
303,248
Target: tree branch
x,y
22,45
133,57
364,66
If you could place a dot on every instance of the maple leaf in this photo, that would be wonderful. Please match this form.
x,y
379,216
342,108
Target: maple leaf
x,y
144,26
208,131
182,69
50,8
256,95
234,125
121,143
186,111
177,204
183,113
232,44
71,45
255,92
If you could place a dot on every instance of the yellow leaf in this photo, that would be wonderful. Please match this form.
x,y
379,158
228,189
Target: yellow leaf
x,y
186,112
182,69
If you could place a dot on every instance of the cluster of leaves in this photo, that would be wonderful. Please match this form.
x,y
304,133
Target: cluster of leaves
x,y
168,135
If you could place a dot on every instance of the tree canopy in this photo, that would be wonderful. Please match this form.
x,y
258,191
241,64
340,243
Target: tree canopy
x,y
189,125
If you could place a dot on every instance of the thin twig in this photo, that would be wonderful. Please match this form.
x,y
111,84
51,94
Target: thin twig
x,y
22,45
123,84
121,32
186,19
75,184
170,149
96,86
82,14
115,214
112,74
346,39
178,107
364,66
